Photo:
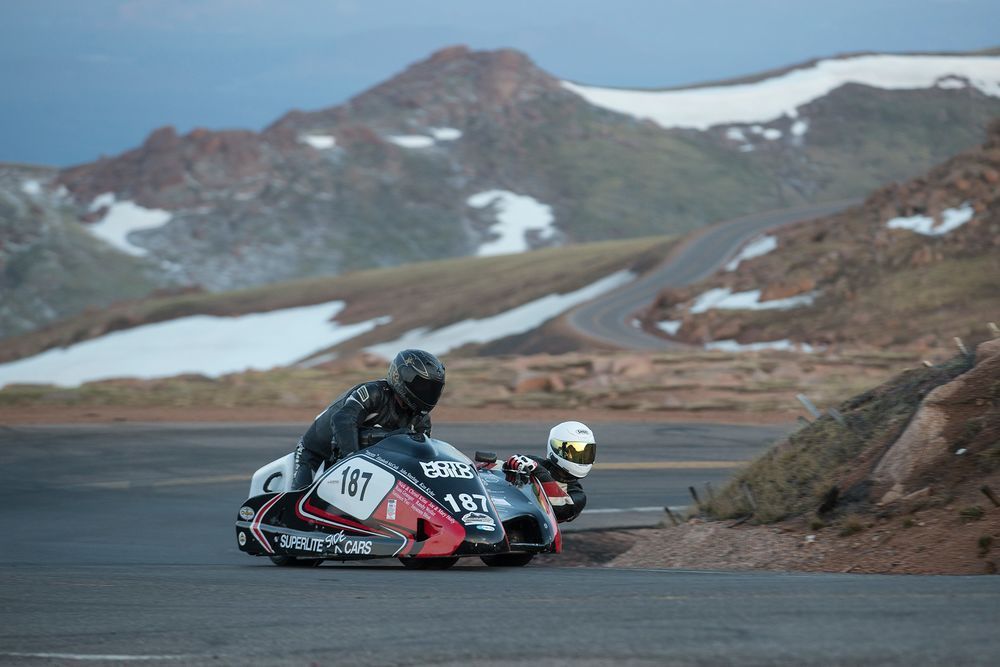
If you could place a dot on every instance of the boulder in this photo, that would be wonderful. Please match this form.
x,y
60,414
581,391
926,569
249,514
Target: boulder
x,y
923,444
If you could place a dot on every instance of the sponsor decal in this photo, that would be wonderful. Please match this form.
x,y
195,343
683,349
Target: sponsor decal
x,y
246,513
341,544
337,544
405,474
390,509
477,519
300,543
501,501
488,529
457,469
242,539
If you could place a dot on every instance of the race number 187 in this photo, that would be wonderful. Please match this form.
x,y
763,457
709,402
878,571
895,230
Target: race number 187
x,y
349,479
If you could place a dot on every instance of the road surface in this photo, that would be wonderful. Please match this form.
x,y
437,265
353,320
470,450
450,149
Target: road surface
x,y
609,318
118,548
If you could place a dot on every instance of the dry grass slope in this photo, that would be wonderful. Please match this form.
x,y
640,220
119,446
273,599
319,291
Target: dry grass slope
x,y
805,473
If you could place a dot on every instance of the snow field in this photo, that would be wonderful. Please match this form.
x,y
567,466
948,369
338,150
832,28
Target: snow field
x,y
516,215
733,346
756,248
123,218
723,299
951,219
518,320
31,188
445,133
319,141
202,344
767,100
411,140
670,327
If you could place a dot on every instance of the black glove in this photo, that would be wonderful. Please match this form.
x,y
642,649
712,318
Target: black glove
x,y
422,425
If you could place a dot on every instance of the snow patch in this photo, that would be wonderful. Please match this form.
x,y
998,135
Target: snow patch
x,y
767,100
799,128
759,246
733,346
319,141
951,218
31,188
516,321
516,215
670,327
951,83
202,344
102,200
735,134
411,140
445,133
721,298
123,218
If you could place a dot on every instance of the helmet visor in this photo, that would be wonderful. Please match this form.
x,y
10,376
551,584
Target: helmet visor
x,y
575,452
426,391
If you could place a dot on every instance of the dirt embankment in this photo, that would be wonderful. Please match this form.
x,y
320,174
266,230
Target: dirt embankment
x,y
921,494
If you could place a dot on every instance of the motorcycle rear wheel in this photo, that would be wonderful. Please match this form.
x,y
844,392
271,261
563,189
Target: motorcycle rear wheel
x,y
429,563
507,560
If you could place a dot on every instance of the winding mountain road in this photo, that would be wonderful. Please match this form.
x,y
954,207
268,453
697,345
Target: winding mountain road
x,y
609,319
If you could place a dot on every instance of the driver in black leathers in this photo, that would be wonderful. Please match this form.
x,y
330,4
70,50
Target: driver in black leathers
x,y
404,399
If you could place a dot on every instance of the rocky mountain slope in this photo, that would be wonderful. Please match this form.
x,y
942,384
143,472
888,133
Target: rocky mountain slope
x,y
916,264
456,153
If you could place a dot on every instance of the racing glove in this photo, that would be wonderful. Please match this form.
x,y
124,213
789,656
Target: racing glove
x,y
422,425
522,464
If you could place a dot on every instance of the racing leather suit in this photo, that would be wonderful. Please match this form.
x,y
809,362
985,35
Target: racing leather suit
x,y
564,491
334,432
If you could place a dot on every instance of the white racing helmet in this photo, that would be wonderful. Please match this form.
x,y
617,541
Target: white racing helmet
x,y
572,447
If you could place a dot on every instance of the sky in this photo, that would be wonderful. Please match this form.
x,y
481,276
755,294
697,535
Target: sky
x,y
85,78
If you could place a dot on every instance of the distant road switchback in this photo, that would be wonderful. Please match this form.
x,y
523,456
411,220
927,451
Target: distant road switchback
x,y
608,319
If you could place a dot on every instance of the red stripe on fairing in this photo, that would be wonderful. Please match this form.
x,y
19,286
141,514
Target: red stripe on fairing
x,y
555,490
255,526
550,513
302,509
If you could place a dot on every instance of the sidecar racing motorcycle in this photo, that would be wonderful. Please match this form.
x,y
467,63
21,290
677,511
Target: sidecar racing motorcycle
x,y
408,496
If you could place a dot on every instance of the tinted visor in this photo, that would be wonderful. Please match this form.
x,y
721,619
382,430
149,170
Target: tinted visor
x,y
425,391
575,452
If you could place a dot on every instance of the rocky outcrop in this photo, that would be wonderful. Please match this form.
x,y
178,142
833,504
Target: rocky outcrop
x,y
929,440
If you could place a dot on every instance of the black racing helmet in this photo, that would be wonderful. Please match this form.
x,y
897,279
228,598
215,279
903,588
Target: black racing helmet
x,y
417,377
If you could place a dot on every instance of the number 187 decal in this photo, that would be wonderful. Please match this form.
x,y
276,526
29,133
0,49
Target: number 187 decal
x,y
357,487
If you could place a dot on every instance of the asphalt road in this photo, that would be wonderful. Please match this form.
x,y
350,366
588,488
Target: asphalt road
x,y
609,318
118,548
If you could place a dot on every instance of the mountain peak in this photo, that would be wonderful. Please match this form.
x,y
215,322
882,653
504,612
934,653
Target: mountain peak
x,y
447,87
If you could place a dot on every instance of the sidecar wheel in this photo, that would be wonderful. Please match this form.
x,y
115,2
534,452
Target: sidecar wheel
x,y
292,561
507,560
428,563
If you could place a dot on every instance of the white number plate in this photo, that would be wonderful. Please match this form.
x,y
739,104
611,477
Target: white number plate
x,y
357,487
